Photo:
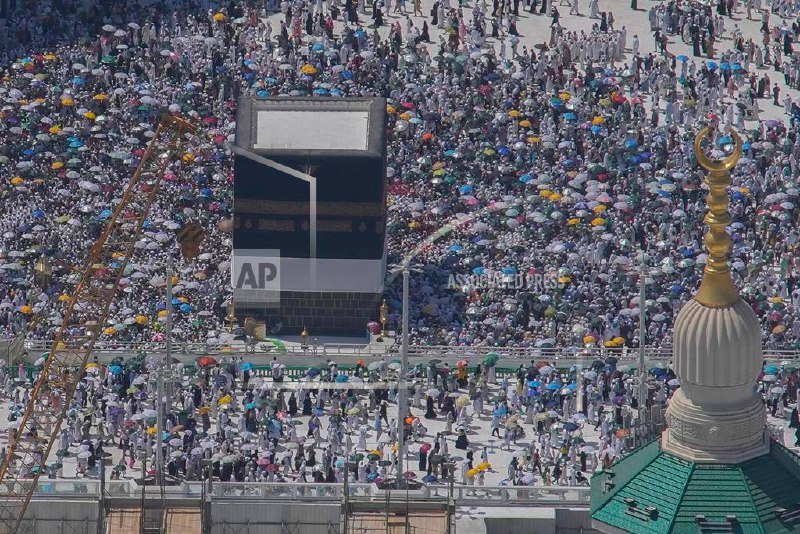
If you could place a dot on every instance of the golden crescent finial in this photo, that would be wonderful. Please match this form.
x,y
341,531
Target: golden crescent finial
x,y
717,289
717,166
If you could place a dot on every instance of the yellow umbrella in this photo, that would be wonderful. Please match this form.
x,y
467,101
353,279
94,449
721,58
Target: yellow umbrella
x,y
57,165
26,309
573,221
564,95
438,165
200,275
54,129
744,190
525,124
414,225
514,113
89,115
395,447
219,17
91,365
108,331
391,109
483,466
597,121
64,298
308,69
50,57
188,157
405,115
555,197
203,410
67,102
472,472
533,139
545,193
589,339
376,452
141,319
62,219
599,209
609,343
60,345
17,180
152,431
776,300
162,313
598,221
100,97
225,400
564,279
619,340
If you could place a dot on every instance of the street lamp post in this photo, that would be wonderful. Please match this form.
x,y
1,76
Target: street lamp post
x,y
405,269
402,396
643,393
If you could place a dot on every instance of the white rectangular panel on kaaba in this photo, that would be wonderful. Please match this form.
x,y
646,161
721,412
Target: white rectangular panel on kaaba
x,y
312,130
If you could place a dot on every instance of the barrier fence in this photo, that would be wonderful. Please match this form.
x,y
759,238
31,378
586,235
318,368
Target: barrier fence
x,y
322,493
186,351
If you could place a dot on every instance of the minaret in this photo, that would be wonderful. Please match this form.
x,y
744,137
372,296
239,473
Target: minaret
x,y
717,416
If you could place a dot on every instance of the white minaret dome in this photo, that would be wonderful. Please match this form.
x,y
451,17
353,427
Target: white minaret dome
x,y
717,415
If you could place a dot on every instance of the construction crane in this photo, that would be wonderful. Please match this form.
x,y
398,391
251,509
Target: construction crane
x,y
30,444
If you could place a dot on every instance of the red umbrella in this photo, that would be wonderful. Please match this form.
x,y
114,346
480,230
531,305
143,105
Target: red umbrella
x,y
206,361
425,448
271,468
409,474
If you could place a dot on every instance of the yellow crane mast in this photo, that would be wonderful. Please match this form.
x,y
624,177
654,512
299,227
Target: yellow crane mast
x,y
86,313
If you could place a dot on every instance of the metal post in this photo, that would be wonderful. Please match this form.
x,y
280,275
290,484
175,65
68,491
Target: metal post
x,y
159,426
168,351
401,396
643,394
101,505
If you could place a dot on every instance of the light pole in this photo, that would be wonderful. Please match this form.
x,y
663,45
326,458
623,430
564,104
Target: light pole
x,y
643,394
405,269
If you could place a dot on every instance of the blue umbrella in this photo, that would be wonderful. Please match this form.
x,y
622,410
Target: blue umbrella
x,y
501,410
509,270
724,140
711,65
525,178
503,150
176,301
251,405
429,479
570,116
553,386
478,270
105,214
341,378
313,372
570,427
262,94
247,366
347,75
683,57
572,387
465,189
595,129
725,66
770,369
631,144
321,91
115,369
556,102
456,248
38,214
534,383
186,308
737,66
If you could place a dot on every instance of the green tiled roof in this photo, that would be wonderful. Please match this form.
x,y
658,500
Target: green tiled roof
x,y
680,490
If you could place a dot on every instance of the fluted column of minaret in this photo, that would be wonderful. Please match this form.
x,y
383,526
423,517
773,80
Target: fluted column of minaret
x,y
717,415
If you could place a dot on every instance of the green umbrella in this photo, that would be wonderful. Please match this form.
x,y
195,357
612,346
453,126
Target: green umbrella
x,y
491,359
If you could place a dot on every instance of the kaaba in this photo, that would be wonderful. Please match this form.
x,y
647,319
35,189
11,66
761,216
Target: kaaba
x,y
309,238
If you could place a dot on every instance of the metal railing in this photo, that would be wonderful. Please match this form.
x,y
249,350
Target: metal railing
x,y
330,493
187,351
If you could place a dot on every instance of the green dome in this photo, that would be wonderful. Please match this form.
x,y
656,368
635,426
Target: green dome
x,y
653,492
